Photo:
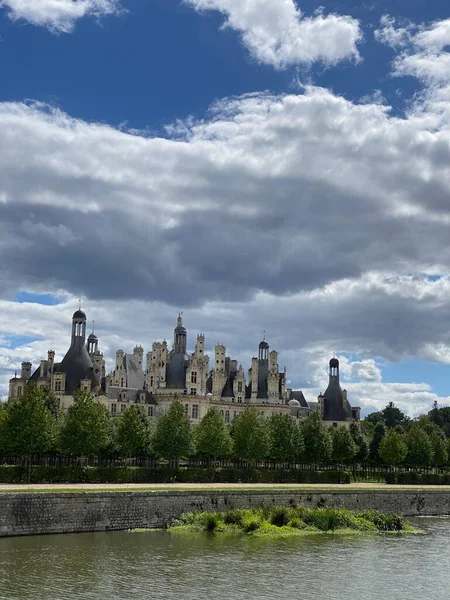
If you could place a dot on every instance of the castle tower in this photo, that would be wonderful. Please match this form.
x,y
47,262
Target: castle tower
x,y
219,372
179,337
92,343
78,328
336,407
138,355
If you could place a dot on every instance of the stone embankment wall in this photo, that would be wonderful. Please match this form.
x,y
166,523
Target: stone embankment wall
x,y
44,513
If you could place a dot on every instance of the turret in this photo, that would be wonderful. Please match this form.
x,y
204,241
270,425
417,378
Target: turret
x,y
78,328
179,336
138,355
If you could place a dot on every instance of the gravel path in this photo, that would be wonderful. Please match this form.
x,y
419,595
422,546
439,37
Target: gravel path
x,y
93,487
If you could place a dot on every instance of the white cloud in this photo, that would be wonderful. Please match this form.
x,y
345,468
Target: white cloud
x,y
277,33
310,216
422,52
58,15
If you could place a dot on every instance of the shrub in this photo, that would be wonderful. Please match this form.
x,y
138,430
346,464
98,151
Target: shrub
x,y
251,523
279,516
80,474
418,478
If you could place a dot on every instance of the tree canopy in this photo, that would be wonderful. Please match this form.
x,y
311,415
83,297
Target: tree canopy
x,y
285,439
250,435
86,428
392,448
28,426
317,439
173,438
344,447
133,434
420,449
212,438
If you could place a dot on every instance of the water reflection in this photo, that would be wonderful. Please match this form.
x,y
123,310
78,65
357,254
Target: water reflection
x,y
157,565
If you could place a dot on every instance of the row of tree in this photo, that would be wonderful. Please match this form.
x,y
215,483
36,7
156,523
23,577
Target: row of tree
x,y
34,425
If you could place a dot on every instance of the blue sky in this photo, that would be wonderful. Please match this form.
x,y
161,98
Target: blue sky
x,y
287,172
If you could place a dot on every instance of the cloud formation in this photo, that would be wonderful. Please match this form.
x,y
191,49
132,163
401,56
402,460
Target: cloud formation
x,y
58,15
277,33
321,220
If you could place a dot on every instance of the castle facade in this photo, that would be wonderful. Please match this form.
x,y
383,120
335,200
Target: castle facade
x,y
170,374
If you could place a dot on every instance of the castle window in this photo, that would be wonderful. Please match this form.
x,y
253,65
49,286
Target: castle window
x,y
151,381
19,390
240,386
113,408
239,399
121,382
194,377
150,411
195,411
227,416
123,408
221,413
193,391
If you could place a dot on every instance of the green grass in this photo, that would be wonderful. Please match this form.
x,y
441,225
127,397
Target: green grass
x,y
292,521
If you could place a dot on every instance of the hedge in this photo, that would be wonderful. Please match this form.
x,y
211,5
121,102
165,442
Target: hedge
x,y
37,474
418,478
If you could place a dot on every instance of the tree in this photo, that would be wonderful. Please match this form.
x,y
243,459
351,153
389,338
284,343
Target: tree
x,y
374,418
250,435
317,438
86,428
2,424
392,416
285,438
435,415
420,450
173,437
28,426
441,416
344,447
440,449
212,438
133,434
392,449
360,440
379,432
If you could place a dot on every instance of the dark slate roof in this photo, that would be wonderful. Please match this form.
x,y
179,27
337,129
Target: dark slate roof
x,y
77,365
79,314
92,337
335,407
209,384
176,371
227,391
298,395
131,395
263,371
135,376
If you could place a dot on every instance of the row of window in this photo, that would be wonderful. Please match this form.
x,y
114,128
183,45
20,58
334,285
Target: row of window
x,y
123,408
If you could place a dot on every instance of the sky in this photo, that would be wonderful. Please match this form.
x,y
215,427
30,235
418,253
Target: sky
x,y
271,166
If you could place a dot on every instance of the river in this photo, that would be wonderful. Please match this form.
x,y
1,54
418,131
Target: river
x,y
158,565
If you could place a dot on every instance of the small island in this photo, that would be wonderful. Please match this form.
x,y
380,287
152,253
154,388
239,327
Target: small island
x,y
296,520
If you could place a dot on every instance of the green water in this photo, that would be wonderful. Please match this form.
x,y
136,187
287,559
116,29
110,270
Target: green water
x,y
158,565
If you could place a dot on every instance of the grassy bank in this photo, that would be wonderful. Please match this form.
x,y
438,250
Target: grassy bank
x,y
292,521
